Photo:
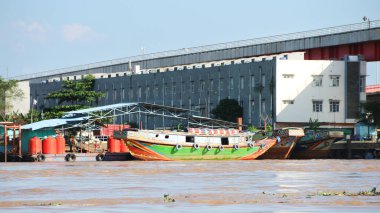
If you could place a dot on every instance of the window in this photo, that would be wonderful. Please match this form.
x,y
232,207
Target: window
x,y
147,91
252,81
114,95
183,87
211,85
221,84
45,101
287,76
241,82
317,106
202,85
263,80
130,93
224,141
317,80
263,107
156,90
166,88
334,106
190,139
174,88
334,80
106,94
362,83
139,92
252,107
231,83
192,86
288,101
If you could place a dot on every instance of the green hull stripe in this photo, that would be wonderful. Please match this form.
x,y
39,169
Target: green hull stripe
x,y
190,153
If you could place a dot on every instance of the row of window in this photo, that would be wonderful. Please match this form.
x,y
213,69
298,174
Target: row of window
x,y
334,80
318,80
318,105
202,84
202,87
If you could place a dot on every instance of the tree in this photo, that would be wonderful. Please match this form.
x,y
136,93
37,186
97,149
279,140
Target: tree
x,y
314,124
373,113
228,110
9,92
19,118
79,94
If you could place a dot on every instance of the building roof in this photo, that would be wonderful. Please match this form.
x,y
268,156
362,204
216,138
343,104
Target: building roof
x,y
189,52
53,123
372,89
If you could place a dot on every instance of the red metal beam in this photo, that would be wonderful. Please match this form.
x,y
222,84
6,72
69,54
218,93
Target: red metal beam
x,y
370,51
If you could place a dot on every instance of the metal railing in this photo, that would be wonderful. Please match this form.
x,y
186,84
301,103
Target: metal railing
x,y
212,47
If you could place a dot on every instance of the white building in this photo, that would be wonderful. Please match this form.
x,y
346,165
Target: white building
x,y
320,90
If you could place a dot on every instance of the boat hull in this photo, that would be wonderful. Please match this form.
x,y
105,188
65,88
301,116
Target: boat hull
x,y
151,151
281,150
316,150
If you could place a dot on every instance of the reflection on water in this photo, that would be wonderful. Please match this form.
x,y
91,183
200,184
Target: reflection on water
x,y
238,186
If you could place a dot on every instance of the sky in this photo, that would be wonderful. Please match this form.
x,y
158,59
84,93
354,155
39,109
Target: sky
x,y
42,35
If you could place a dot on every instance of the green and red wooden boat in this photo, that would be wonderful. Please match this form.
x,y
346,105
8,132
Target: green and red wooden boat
x,y
170,145
284,147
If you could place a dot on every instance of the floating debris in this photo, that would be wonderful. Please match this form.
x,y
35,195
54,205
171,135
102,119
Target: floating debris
x,y
45,204
168,199
372,192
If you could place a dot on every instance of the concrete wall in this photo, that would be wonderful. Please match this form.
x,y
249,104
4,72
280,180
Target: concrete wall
x,y
20,104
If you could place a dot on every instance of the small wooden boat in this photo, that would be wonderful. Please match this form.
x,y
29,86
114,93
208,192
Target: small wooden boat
x,y
284,147
316,145
170,145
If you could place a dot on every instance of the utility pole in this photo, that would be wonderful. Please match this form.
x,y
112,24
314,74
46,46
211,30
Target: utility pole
x,y
377,72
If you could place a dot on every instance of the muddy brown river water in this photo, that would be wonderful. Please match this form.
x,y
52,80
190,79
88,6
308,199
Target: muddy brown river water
x,y
194,186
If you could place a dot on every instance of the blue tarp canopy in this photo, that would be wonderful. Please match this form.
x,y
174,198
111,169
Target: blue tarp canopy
x,y
91,115
53,123
100,108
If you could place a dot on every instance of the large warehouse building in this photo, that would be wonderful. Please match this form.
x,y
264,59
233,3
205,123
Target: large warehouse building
x,y
289,79
284,88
